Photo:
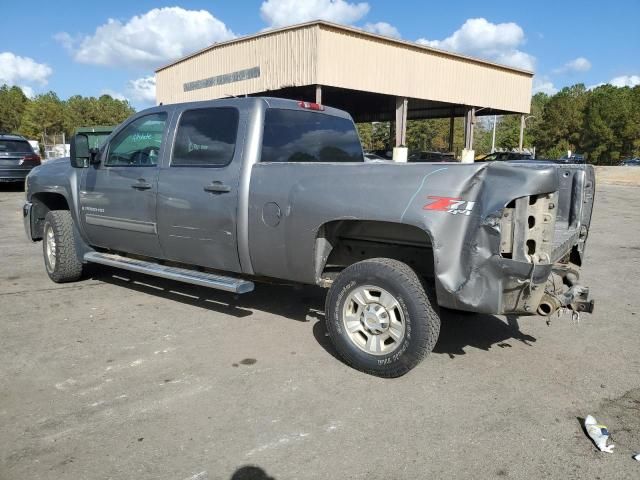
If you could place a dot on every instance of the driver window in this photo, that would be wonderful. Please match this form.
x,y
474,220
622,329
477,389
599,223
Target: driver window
x,y
138,145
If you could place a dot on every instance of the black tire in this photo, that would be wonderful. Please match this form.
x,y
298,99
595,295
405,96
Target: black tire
x,y
418,305
66,267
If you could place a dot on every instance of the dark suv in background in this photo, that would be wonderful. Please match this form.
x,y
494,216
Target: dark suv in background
x,y
505,156
17,158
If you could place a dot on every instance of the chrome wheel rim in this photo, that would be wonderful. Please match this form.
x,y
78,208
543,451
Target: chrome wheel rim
x,y
373,320
50,248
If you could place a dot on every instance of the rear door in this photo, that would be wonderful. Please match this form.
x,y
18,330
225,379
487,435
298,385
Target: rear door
x,y
198,190
118,196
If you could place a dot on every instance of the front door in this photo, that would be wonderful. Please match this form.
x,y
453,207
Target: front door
x,y
118,195
198,190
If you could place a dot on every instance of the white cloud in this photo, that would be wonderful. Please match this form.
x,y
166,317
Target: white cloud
x,y
19,70
143,89
279,13
621,81
579,64
66,40
544,85
382,28
28,91
625,81
515,58
148,40
478,37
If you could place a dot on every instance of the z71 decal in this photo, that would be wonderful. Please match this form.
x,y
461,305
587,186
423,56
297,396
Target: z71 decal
x,y
451,205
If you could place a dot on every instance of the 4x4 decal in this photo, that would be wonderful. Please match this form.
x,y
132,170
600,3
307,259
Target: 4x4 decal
x,y
451,205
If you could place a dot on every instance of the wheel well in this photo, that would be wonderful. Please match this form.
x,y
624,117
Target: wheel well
x,y
43,203
344,242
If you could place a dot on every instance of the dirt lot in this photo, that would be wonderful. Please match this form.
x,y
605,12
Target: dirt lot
x,y
130,377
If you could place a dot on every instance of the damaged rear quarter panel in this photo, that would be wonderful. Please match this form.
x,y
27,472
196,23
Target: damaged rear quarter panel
x,y
469,273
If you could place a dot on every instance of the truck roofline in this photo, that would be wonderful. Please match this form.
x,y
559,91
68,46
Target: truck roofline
x,y
270,102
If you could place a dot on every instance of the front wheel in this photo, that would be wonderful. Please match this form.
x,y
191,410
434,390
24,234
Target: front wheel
x,y
59,247
380,318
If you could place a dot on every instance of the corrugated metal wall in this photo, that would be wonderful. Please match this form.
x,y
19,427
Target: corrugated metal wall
x,y
349,60
345,58
286,58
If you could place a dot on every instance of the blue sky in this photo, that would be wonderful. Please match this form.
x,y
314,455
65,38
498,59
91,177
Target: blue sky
x,y
74,49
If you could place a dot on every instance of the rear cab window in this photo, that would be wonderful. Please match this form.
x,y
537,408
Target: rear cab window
x,y
304,136
206,137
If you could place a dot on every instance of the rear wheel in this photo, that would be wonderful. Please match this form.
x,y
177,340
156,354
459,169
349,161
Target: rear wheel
x,y
59,247
380,317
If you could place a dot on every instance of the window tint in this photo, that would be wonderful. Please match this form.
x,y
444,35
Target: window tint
x,y
205,138
138,145
302,136
15,146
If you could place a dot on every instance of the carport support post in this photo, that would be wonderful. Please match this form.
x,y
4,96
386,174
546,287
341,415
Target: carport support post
x,y
493,135
469,120
521,132
400,152
401,121
319,94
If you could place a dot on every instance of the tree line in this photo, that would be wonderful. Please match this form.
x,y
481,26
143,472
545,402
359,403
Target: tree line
x,y
46,114
602,123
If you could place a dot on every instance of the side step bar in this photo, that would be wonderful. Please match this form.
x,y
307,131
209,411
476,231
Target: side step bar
x,y
228,284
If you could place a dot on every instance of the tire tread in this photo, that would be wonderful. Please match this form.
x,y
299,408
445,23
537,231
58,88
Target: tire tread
x,y
68,267
424,299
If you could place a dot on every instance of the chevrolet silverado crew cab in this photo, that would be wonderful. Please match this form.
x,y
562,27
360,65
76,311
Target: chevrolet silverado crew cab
x,y
230,192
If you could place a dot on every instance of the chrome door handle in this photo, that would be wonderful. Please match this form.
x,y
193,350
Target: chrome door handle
x,y
217,187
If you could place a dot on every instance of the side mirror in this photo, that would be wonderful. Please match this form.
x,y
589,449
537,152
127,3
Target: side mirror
x,y
80,154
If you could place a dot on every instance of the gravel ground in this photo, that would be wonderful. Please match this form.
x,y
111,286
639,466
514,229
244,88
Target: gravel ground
x,y
629,176
123,376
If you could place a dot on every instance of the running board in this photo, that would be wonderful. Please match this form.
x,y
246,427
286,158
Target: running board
x,y
228,284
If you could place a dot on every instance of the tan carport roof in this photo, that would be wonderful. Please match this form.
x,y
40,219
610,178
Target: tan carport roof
x,y
360,72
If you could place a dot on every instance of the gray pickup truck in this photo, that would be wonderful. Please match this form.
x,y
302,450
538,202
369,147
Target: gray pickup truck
x,y
228,192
